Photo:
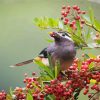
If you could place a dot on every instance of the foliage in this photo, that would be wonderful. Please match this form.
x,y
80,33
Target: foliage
x,y
75,22
62,85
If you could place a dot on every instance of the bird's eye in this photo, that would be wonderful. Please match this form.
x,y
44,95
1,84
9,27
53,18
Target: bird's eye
x,y
63,34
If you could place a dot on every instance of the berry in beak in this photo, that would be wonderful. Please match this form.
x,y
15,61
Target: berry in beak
x,y
52,34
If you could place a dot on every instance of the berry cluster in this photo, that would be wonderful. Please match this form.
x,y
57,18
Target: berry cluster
x,y
70,15
32,83
61,91
65,86
81,78
19,94
3,95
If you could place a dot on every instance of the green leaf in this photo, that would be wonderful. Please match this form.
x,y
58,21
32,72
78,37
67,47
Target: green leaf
x,y
35,20
35,86
68,28
61,26
79,30
97,24
45,22
45,68
87,35
91,15
98,41
50,97
91,65
11,91
52,23
8,97
29,97
90,45
56,72
49,40
92,55
87,18
86,56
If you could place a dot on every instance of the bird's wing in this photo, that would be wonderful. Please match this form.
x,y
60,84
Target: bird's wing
x,y
43,53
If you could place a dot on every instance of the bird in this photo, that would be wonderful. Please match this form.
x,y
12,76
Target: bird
x,y
62,50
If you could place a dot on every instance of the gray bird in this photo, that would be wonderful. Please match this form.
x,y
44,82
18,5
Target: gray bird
x,y
62,50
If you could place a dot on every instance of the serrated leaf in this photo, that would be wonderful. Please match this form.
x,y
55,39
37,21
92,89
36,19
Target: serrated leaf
x,y
29,97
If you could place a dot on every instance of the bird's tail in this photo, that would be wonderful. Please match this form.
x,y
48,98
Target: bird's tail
x,y
45,61
25,62
22,63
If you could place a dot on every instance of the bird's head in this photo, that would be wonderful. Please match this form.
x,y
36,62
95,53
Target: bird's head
x,y
60,36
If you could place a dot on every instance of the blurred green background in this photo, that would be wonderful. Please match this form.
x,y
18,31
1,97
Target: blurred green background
x,y
20,40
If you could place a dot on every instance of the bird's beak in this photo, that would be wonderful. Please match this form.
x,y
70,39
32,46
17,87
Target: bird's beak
x,y
54,35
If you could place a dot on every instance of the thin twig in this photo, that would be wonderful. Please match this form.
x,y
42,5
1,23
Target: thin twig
x,y
94,95
90,25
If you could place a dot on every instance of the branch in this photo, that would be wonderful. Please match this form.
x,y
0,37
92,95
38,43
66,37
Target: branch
x,y
90,25
94,95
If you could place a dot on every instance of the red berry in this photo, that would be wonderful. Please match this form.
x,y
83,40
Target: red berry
x,y
67,11
68,7
65,14
63,7
89,95
25,74
77,17
71,24
66,19
33,73
82,21
97,35
79,12
62,12
75,7
85,92
65,22
83,12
